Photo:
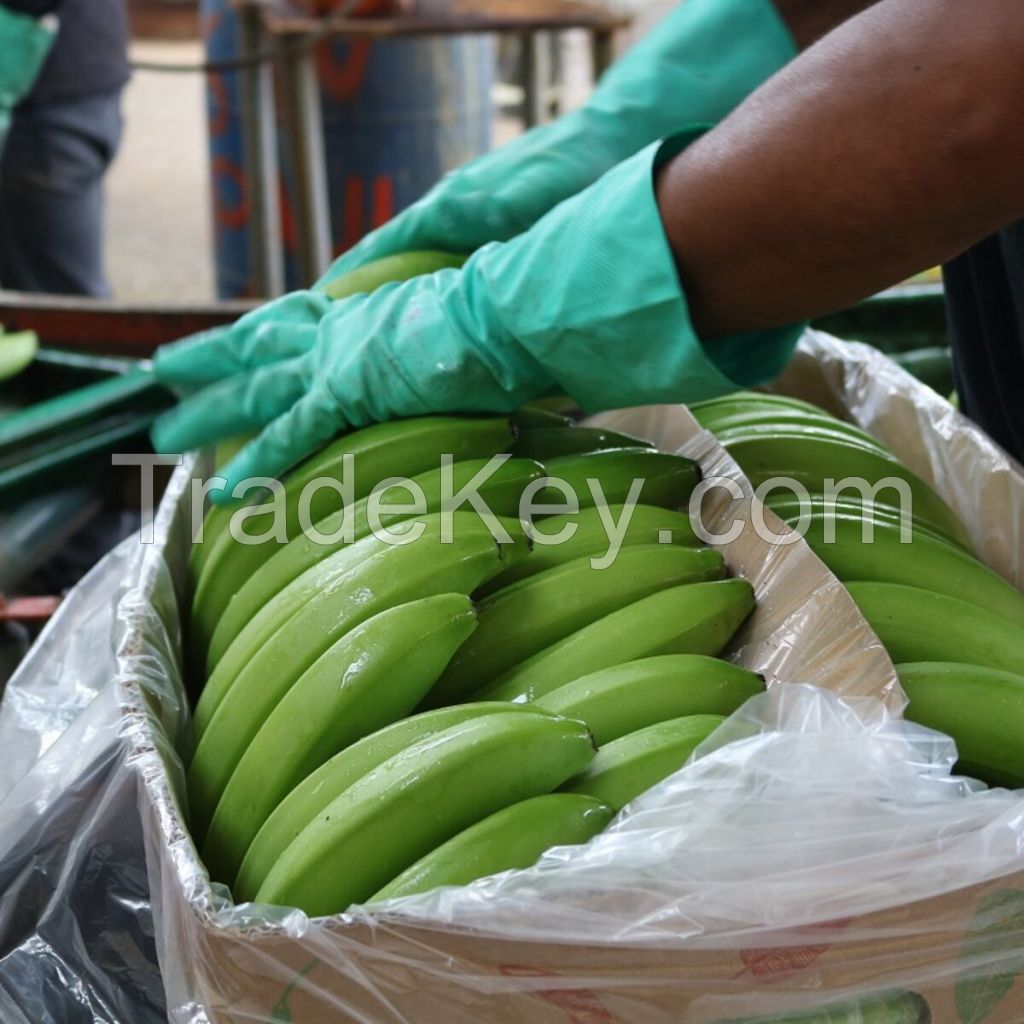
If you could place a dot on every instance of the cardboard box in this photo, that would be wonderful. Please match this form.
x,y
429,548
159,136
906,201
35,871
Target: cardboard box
x,y
952,956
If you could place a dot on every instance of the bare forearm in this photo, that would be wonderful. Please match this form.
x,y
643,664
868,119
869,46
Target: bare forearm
x,y
809,20
890,146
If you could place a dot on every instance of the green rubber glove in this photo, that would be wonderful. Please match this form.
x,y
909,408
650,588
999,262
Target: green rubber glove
x,y
587,303
24,45
692,68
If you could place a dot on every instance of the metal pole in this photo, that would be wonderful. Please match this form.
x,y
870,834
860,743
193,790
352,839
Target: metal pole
x,y
536,76
304,118
602,48
256,96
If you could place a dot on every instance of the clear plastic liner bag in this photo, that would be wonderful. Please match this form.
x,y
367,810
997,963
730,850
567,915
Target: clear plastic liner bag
x,y
981,482
817,855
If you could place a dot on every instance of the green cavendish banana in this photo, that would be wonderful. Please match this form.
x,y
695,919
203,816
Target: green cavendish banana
x,y
918,625
787,507
322,787
813,460
217,517
825,431
981,708
370,678
544,443
17,351
400,448
536,417
622,700
668,480
535,613
633,764
501,491
400,267
930,564
227,449
639,524
698,618
741,401
326,578
512,839
419,799
395,576
761,419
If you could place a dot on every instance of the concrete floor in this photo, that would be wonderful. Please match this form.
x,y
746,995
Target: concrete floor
x,y
158,198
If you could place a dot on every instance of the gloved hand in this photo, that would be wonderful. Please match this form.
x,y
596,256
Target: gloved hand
x,y
692,68
24,44
587,303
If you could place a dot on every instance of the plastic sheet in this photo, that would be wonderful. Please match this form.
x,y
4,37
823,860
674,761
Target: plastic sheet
x,y
818,853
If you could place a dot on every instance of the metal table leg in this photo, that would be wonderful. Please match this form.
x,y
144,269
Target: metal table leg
x,y
602,48
304,121
256,97
536,64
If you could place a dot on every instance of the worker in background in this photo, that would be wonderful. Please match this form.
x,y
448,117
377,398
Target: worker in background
x,y
24,42
63,137
639,257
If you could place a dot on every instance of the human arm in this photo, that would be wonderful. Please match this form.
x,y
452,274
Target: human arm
x,y
693,67
889,147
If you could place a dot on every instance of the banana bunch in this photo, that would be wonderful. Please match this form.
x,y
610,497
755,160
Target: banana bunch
x,y
365,726
954,627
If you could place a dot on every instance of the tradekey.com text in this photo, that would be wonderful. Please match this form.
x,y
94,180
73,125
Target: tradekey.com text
x,y
262,511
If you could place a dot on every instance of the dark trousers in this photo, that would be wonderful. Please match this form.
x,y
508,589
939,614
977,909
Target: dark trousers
x,y
51,194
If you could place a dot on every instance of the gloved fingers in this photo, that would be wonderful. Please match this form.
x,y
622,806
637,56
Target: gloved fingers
x,y
234,406
308,425
279,330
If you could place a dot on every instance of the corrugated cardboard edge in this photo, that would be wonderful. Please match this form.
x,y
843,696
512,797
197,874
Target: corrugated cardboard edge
x,y
392,971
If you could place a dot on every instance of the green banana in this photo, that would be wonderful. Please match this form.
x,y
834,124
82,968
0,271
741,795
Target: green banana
x,y
741,401
918,625
217,517
393,576
561,405
370,678
668,480
762,419
501,491
399,267
981,708
519,621
626,698
633,764
698,618
325,578
512,839
544,443
227,449
531,417
787,507
813,460
932,366
16,352
419,799
930,564
319,789
822,432
640,524
383,450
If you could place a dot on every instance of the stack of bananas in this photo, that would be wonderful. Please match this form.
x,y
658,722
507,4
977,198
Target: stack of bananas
x,y
954,628
544,693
